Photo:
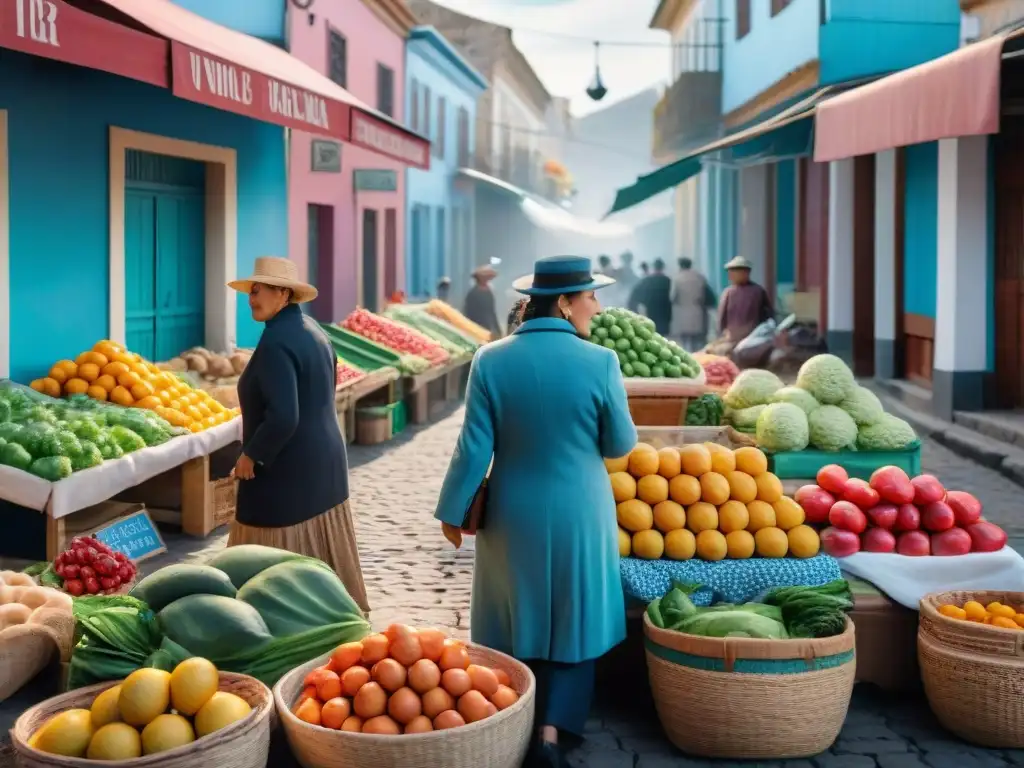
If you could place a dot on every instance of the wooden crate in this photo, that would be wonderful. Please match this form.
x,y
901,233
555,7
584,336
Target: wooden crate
x,y
60,531
658,411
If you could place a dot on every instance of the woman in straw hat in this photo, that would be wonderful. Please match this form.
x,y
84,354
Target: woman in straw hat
x,y
545,405
481,306
293,493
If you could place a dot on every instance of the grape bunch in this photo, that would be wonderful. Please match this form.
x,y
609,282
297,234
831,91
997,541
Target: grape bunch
x,y
90,567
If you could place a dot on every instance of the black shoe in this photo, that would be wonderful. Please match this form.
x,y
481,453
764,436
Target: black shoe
x,y
544,754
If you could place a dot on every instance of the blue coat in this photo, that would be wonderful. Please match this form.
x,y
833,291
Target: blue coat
x,y
547,405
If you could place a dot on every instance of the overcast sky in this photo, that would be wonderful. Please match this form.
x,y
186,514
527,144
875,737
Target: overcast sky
x,y
566,65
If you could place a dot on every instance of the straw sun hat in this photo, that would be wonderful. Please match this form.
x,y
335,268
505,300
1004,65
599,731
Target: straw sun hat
x,y
280,273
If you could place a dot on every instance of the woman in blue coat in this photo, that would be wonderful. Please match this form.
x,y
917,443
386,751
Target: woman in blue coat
x,y
546,406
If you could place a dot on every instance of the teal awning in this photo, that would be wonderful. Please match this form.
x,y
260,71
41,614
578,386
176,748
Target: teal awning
x,y
788,133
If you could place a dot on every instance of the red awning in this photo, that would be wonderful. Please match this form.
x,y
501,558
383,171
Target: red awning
x,y
955,95
225,69
55,30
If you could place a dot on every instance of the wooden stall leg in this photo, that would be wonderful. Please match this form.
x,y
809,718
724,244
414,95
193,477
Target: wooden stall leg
x,y
418,405
196,497
56,536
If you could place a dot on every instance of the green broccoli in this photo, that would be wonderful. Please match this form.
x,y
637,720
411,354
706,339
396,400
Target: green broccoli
x,y
126,439
52,468
85,429
89,456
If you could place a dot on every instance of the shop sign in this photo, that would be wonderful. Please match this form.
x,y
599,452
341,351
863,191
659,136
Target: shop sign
x,y
375,180
134,535
388,140
216,82
326,156
55,30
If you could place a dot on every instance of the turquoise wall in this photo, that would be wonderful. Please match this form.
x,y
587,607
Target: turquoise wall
x,y
785,222
58,120
921,219
259,18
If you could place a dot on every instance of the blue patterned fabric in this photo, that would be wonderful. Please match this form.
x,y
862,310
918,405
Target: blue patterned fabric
x,y
725,581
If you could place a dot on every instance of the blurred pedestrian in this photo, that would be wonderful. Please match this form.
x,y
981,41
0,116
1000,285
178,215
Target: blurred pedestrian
x,y
604,266
744,305
652,297
692,297
444,287
481,306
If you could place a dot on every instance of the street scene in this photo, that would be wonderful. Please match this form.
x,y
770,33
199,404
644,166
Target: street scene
x,y
511,383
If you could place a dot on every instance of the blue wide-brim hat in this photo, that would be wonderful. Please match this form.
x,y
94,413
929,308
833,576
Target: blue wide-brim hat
x,y
561,274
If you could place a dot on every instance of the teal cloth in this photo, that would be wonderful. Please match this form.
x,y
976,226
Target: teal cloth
x,y
547,405
564,694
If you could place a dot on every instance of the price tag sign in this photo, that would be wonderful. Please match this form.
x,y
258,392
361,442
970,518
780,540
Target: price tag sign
x,y
135,535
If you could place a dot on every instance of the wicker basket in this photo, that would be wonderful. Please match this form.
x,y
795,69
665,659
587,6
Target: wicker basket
x,y
245,744
500,741
742,698
973,674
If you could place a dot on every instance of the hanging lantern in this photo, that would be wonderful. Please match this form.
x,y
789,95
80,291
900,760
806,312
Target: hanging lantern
x,y
596,91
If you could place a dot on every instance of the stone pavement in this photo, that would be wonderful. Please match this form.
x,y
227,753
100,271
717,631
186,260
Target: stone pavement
x,y
413,575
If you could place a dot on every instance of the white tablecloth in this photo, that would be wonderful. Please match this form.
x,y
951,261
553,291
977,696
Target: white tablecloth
x,y
907,579
92,486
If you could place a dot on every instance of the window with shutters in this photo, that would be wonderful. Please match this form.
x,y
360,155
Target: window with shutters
x,y
414,105
778,6
427,127
442,134
386,90
742,18
462,137
337,58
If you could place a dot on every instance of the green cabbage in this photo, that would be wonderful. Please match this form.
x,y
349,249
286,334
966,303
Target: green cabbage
x,y
826,377
745,419
887,434
832,429
801,398
734,623
864,406
782,427
752,387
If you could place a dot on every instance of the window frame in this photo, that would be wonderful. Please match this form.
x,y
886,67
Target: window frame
x,y
744,23
385,74
438,145
332,35
414,105
778,6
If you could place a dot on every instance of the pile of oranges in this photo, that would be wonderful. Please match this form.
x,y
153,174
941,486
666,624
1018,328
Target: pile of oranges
x,y
111,373
994,614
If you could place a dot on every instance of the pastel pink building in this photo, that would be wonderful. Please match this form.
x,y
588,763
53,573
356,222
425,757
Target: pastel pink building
x,y
347,202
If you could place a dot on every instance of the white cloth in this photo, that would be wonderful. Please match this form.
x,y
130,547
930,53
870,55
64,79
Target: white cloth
x,y
92,486
907,579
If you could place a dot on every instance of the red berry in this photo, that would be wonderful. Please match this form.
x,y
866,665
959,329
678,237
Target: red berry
x,y
74,587
92,586
71,571
87,572
107,582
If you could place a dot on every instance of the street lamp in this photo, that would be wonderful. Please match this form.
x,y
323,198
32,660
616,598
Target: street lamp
x,y
596,90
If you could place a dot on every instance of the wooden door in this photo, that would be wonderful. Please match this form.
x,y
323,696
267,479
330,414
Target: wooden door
x,y
320,260
370,260
180,273
771,271
390,252
1009,266
864,266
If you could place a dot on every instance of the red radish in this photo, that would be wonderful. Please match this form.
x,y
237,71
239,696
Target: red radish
x,y
74,587
839,543
125,574
955,541
71,571
937,517
914,544
108,583
908,518
92,586
121,557
927,489
966,508
847,516
87,572
816,502
892,485
878,540
986,537
833,479
860,493
882,515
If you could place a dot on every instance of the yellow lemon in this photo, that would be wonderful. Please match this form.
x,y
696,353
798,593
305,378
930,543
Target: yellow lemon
x,y
193,682
220,711
67,734
166,732
115,741
104,707
145,693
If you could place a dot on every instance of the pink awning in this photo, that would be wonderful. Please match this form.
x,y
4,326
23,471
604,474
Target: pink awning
x,y
228,70
955,95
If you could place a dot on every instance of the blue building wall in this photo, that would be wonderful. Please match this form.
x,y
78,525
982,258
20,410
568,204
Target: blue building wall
x,y
259,18
921,219
58,121
438,217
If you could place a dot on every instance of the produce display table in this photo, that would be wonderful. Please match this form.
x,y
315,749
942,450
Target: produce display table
x,y
348,395
417,389
886,639
794,464
661,402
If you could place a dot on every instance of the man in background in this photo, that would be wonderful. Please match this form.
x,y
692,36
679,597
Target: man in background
x,y
645,271
625,281
692,297
444,287
481,306
604,265
744,305
653,294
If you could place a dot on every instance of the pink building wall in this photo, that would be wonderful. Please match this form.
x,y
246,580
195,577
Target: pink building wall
x,y
369,42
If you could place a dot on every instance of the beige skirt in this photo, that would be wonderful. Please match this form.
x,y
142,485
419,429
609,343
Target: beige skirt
x,y
330,537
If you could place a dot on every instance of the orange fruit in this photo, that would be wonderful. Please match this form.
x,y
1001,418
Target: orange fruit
x,y
769,487
741,487
684,489
124,357
210,421
37,385
623,486
712,545
953,611
669,464
751,460
128,379
149,402
652,489
195,426
76,386
60,374
695,459
106,348
89,371
193,413
204,409
217,407
121,396
733,516
141,370
740,545
194,397
175,418
714,488
141,389
762,515
106,381
702,517
164,380
96,392
70,367
164,396
177,405
669,516
115,369
1005,623
51,387
643,460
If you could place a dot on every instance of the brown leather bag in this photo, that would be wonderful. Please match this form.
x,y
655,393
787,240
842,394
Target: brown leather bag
x,y
477,511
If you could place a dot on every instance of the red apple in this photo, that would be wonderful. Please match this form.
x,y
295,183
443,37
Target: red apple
x,y
986,537
816,502
839,543
847,516
892,485
955,541
908,518
833,479
927,489
860,493
966,507
914,544
937,517
882,515
877,540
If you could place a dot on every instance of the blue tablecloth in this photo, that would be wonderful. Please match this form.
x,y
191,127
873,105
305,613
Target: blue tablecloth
x,y
731,581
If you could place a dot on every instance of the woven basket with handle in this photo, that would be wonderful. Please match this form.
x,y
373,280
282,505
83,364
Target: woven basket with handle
x,y
973,674
500,741
245,744
742,698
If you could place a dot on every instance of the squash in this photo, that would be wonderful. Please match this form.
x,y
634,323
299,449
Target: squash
x,y
163,587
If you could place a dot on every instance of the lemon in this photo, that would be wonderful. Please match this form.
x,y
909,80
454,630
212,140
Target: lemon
x,y
145,694
104,707
220,711
193,682
166,732
65,734
115,741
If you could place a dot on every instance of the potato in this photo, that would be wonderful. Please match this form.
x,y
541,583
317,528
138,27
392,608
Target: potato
x,y
175,365
196,362
13,614
220,367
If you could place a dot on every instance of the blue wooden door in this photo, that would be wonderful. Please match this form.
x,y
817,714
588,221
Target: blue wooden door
x,y
165,255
